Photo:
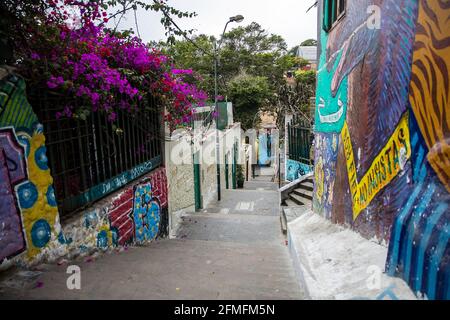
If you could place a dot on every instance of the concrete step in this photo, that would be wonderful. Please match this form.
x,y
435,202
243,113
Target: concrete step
x,y
307,194
308,182
309,186
292,213
298,199
290,203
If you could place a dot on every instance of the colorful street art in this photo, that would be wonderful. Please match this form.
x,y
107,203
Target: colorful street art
x,y
386,166
28,203
296,170
324,172
120,217
29,220
139,213
12,172
146,213
429,92
384,94
264,148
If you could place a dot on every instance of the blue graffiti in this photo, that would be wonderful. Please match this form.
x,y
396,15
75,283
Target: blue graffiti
x,y
146,214
41,158
115,236
418,250
27,194
40,233
296,170
24,140
389,292
102,239
63,240
90,219
264,154
50,194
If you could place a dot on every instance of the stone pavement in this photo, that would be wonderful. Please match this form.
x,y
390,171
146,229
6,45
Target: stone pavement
x,y
231,250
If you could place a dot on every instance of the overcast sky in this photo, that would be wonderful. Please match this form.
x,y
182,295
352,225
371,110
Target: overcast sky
x,y
287,18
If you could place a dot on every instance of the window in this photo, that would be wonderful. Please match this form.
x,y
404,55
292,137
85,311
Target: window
x,y
333,11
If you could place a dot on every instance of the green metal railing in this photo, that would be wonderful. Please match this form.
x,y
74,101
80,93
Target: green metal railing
x,y
300,138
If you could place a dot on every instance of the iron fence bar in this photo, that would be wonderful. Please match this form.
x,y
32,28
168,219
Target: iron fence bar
x,y
81,154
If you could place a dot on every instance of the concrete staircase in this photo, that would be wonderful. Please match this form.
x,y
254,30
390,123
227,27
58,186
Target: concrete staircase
x,y
301,195
296,199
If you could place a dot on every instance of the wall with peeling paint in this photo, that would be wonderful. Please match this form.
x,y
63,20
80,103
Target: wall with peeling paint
x,y
382,139
30,230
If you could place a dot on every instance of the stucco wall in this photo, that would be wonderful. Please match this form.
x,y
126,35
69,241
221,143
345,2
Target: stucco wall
x,y
28,212
382,154
180,174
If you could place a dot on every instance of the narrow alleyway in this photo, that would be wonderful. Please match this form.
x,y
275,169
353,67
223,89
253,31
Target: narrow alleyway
x,y
231,250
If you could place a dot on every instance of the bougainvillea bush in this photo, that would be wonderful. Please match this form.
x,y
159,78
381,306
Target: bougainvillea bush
x,y
70,52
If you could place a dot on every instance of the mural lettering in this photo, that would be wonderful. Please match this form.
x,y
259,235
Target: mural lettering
x,y
385,167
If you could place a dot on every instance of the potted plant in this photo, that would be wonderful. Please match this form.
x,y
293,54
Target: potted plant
x,y
240,178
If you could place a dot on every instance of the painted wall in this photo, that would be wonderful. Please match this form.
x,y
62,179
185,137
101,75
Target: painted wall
x,y
136,214
30,231
382,140
265,156
28,212
295,169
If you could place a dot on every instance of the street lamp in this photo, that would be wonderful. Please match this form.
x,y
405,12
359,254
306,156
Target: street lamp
x,y
238,18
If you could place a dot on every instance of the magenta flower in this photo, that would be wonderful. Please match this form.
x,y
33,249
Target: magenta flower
x,y
55,82
35,56
181,71
112,116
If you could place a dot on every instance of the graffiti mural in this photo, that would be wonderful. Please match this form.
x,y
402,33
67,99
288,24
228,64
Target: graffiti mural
x,y
264,148
29,219
296,170
12,172
382,145
29,206
139,213
324,172
120,217
429,92
146,212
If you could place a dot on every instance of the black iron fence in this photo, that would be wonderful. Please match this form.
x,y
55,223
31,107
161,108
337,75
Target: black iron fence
x,y
91,158
300,138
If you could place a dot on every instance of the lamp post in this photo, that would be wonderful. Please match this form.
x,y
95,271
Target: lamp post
x,y
237,19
